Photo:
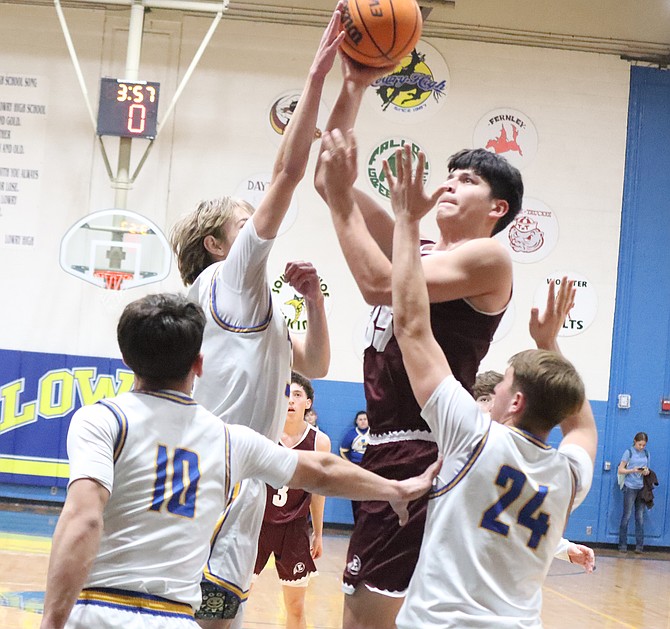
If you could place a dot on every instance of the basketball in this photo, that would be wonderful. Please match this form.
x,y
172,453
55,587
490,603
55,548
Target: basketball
x,y
380,32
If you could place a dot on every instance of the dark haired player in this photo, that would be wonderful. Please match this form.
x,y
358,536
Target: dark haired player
x,y
150,472
285,530
469,279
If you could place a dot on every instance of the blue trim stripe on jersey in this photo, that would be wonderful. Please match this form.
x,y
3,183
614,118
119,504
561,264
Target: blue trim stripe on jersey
x,y
226,487
440,491
134,602
172,396
229,326
123,427
532,438
231,495
243,595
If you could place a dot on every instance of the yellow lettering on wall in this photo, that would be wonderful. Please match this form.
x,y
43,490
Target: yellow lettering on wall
x,y
14,415
56,393
93,388
126,380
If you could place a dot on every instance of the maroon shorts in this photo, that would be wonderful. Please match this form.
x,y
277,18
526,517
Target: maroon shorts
x,y
290,544
382,555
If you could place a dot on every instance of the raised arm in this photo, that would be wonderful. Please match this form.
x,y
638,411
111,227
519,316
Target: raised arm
x,y
579,428
368,213
356,78
367,261
423,358
318,503
291,161
311,352
75,545
544,328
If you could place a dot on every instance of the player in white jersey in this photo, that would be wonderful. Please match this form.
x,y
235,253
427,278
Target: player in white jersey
x,y
150,472
222,250
503,495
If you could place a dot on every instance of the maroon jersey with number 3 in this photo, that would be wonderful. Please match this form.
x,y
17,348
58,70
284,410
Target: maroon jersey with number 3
x,y
284,504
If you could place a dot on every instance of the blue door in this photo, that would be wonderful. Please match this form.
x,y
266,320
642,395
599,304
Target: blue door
x,y
641,340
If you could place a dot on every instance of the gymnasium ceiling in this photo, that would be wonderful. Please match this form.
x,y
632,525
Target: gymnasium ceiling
x,y
636,29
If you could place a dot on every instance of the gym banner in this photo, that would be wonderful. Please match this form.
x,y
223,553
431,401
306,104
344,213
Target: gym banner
x,y
38,395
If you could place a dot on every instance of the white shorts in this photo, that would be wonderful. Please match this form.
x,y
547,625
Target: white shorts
x,y
111,609
233,554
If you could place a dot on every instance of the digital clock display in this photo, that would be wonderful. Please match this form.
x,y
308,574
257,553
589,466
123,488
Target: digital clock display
x,y
128,108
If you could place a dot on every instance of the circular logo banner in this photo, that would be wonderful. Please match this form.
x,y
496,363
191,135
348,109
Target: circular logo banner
x,y
416,88
586,302
533,234
386,151
281,109
292,303
507,132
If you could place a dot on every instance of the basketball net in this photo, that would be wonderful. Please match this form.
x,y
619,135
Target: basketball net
x,y
113,279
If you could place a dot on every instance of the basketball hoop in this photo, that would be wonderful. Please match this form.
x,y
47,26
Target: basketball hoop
x,y
113,279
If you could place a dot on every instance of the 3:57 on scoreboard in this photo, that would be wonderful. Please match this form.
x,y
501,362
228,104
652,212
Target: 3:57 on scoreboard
x,y
128,108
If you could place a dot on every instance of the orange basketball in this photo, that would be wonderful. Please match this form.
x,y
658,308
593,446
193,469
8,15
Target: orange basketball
x,y
380,32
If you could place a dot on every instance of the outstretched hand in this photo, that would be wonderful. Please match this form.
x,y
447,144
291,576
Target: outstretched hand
x,y
406,186
413,488
339,160
303,277
330,42
544,328
582,556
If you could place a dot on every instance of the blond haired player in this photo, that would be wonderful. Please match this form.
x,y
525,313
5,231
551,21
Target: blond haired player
x,y
222,249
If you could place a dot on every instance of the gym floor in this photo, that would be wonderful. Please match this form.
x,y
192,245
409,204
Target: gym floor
x,y
626,591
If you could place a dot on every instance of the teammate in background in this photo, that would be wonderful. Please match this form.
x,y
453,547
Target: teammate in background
x,y
311,417
483,390
150,472
544,329
469,279
503,495
285,530
355,441
222,249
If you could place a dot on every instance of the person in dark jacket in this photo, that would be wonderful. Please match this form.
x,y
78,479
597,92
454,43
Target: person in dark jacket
x,y
647,494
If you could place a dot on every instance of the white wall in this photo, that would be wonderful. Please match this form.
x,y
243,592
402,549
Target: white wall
x,y
219,136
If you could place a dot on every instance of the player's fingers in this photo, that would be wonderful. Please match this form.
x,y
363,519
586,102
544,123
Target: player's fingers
x,y
563,293
534,317
335,23
390,179
297,269
339,139
327,142
404,164
551,296
403,514
421,162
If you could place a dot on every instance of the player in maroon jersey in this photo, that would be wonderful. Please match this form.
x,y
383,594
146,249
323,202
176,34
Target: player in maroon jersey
x,y
469,277
285,530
